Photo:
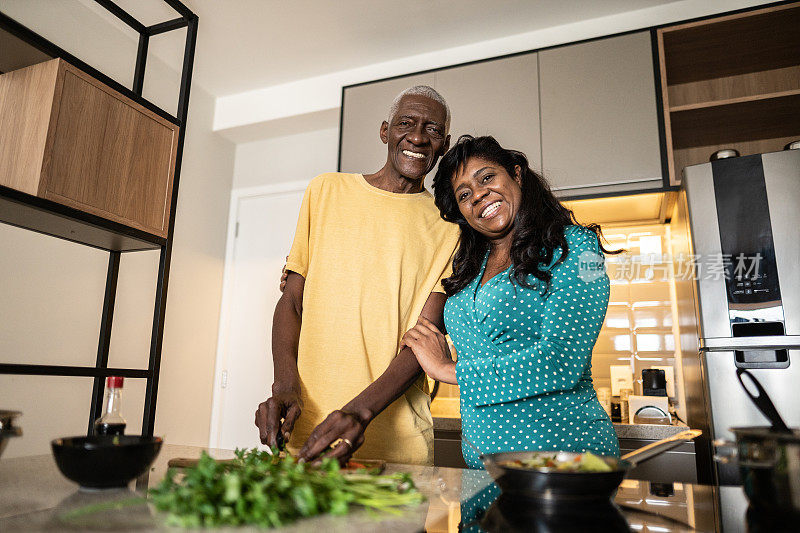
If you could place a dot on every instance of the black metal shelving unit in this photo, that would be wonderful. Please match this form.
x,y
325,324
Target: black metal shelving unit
x,y
44,216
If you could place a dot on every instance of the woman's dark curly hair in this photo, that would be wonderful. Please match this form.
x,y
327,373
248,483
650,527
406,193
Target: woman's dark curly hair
x,y
538,228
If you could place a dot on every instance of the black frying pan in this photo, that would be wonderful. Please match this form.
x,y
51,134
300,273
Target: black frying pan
x,y
549,483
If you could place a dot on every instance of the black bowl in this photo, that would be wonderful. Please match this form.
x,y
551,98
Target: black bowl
x,y
105,461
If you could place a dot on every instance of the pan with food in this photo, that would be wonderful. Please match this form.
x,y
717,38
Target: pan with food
x,y
565,475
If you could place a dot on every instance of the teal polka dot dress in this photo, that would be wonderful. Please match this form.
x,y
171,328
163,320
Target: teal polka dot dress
x,y
524,359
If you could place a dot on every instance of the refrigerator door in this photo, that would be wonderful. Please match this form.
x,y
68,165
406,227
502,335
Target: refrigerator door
x,y
749,206
731,407
782,173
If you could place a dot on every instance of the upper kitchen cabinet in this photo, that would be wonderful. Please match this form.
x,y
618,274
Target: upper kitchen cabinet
x,y
600,116
730,82
364,108
70,139
498,98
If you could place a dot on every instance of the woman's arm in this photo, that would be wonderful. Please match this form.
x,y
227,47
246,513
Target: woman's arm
x,y
574,310
431,350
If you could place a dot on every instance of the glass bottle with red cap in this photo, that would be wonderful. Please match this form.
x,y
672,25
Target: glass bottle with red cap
x,y
111,423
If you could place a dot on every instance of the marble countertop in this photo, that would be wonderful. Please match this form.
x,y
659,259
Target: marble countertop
x,y
647,431
624,431
34,496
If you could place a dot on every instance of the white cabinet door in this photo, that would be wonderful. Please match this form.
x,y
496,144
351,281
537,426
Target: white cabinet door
x,y
365,108
599,116
498,98
266,228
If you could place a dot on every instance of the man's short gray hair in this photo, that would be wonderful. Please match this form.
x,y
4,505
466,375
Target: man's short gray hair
x,y
421,90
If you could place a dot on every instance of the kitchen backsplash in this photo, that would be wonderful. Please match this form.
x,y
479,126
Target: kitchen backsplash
x,y
638,329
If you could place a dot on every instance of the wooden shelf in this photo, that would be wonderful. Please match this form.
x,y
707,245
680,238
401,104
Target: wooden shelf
x,y
730,82
51,218
732,45
729,101
700,154
755,85
737,122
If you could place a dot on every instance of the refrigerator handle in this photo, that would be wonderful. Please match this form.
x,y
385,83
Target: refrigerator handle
x,y
771,342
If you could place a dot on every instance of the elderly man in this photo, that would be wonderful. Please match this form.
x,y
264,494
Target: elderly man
x,y
367,260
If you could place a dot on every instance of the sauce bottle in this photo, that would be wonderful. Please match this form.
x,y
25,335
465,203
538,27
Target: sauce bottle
x,y
111,422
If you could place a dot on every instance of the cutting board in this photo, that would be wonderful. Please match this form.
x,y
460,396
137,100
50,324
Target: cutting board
x,y
353,465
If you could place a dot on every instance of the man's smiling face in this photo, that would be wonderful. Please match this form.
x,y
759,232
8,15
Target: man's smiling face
x,y
416,136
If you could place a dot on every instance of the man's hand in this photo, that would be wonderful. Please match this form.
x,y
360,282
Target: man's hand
x,y
276,417
282,406
344,430
431,350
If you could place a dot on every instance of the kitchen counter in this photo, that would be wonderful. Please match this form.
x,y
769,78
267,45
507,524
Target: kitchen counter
x,y
647,431
678,464
34,496
624,431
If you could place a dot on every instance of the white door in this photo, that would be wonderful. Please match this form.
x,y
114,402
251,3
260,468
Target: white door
x,y
266,225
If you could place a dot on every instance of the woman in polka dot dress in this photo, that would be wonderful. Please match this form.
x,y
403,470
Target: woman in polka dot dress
x,y
526,301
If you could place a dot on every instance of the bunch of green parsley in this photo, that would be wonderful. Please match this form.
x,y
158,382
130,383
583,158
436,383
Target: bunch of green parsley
x,y
266,490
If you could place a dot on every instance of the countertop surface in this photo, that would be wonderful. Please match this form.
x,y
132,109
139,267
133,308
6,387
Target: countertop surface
x,y
35,496
624,431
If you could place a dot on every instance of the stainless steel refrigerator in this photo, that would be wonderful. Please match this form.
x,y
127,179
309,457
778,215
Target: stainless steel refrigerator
x,y
741,307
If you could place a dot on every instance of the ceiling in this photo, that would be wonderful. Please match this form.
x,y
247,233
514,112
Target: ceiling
x,y
249,44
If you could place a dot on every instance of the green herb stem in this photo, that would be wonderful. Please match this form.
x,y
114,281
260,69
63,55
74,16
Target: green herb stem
x,y
269,491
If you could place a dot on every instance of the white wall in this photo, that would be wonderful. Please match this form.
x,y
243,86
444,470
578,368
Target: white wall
x,y
51,291
296,157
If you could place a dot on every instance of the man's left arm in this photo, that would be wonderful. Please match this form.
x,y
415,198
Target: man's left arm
x,y
350,421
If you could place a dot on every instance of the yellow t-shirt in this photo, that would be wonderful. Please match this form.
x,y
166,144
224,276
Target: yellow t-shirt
x,y
370,259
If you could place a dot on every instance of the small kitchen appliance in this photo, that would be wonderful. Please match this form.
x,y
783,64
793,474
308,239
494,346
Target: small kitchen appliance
x,y
649,410
654,382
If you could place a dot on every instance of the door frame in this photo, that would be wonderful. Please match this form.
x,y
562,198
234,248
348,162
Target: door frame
x,y
237,195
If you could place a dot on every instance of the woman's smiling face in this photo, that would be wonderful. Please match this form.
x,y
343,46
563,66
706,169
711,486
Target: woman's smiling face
x,y
487,196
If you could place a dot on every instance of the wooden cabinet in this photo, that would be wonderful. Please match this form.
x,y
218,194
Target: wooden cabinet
x,y
730,82
66,137
498,98
600,117
365,108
